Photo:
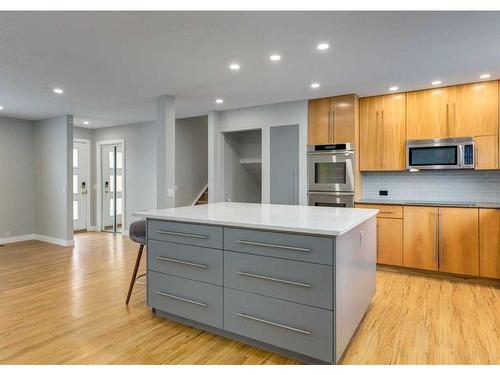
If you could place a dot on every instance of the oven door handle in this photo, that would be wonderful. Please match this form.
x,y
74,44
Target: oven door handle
x,y
332,193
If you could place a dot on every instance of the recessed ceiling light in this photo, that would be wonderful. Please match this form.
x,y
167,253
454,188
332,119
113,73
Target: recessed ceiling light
x,y
323,46
58,91
393,88
1,107
219,101
484,76
234,66
315,85
86,123
434,83
275,57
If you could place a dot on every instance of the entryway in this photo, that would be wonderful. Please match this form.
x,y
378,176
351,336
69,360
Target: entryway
x,y
81,184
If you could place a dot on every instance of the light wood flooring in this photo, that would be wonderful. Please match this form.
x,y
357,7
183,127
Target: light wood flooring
x,y
62,305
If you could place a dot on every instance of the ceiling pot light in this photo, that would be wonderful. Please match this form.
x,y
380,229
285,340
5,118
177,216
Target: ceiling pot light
x,y
219,101
484,76
234,66
1,107
315,85
58,91
322,46
275,57
434,83
393,88
86,123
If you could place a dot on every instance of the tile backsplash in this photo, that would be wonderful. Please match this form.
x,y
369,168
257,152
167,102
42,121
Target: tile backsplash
x,y
452,186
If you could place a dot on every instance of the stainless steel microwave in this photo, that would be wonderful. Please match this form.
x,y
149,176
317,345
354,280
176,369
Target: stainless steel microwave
x,y
446,153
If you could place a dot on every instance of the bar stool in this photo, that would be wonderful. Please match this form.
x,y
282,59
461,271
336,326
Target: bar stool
x,y
137,233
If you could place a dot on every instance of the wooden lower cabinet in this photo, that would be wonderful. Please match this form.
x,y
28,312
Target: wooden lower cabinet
x,y
390,241
459,241
489,243
420,246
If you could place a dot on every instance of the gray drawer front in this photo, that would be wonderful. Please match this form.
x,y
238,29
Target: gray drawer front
x,y
280,245
189,234
306,283
192,262
302,329
187,298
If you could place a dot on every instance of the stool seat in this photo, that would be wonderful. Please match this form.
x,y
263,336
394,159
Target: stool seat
x,y
137,232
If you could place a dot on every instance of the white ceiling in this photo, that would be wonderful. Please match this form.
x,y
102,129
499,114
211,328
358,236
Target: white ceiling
x,y
112,65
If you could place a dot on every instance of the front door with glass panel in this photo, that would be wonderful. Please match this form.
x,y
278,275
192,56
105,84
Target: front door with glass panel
x,y
80,185
112,188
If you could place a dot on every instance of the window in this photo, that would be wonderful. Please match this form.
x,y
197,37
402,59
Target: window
x,y
119,207
119,160
75,210
75,184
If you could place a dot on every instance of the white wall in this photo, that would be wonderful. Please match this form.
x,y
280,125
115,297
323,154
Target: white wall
x,y
261,117
17,179
191,159
140,163
53,144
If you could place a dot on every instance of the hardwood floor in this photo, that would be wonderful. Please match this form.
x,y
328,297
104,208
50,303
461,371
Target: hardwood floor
x,y
62,305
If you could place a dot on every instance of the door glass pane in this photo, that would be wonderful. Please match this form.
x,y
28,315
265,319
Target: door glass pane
x,y
111,207
119,183
119,160
330,173
75,210
75,184
118,206
111,183
111,157
75,158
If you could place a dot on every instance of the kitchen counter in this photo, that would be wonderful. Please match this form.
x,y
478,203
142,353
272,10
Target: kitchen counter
x,y
430,203
295,280
300,219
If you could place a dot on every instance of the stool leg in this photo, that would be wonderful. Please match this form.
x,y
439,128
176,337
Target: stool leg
x,y
134,275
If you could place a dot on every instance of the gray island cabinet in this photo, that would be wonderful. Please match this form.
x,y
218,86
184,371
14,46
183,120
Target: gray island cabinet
x,y
295,280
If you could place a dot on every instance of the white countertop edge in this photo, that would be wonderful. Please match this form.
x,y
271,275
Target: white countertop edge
x,y
278,228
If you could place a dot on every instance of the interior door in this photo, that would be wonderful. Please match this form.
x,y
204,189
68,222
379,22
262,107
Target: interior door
x,y
284,157
112,187
80,186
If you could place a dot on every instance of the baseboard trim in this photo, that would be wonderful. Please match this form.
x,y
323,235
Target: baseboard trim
x,y
92,229
8,240
53,240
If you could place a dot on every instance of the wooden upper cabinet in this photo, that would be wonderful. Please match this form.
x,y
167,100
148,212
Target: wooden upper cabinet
x,y
332,120
486,148
319,121
474,109
382,132
456,111
459,240
427,114
489,240
420,240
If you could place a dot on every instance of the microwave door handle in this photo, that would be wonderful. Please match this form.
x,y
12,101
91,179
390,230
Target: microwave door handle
x,y
460,161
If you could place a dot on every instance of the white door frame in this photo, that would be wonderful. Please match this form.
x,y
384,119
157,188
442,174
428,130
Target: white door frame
x,y
86,142
98,170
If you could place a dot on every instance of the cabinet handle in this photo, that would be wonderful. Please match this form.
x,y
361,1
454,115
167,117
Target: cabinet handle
x,y
241,315
454,117
273,279
476,157
333,126
262,244
436,238
385,212
447,120
180,234
163,294
441,257
181,262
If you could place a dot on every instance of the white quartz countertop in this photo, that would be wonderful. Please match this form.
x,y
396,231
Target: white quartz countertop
x,y
328,221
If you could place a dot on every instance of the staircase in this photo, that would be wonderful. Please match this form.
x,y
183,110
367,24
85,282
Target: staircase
x,y
202,198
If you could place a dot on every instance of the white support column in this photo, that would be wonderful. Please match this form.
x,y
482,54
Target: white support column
x,y
165,151
215,194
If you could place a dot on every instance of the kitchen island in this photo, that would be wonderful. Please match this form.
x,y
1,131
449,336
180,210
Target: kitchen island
x,y
296,280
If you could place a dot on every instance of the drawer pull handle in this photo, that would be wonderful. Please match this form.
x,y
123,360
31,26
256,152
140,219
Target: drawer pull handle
x,y
182,299
385,212
274,279
273,323
273,246
181,262
182,234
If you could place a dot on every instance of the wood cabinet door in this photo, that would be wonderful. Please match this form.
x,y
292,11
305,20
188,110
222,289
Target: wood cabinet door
x,y
486,152
393,132
489,243
342,118
420,244
319,128
473,109
459,240
427,114
390,241
370,134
